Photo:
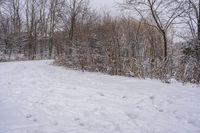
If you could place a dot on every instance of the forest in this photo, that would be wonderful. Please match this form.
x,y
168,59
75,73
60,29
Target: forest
x,y
157,39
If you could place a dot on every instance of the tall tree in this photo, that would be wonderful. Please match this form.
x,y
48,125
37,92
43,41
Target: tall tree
x,y
163,12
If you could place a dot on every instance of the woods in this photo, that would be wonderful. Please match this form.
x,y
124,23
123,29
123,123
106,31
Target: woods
x,y
144,44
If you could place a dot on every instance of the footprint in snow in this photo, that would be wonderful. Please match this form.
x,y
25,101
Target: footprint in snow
x,y
37,102
124,97
51,91
139,107
28,116
101,94
35,120
132,116
55,123
81,124
170,102
161,110
77,119
152,97
192,122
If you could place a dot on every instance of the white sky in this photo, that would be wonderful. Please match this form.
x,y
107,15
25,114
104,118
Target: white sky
x,y
106,4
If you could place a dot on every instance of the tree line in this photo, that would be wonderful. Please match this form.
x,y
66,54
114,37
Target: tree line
x,y
138,44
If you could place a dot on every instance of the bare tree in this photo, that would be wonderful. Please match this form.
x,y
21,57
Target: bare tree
x,y
32,21
193,15
75,8
163,12
52,13
71,12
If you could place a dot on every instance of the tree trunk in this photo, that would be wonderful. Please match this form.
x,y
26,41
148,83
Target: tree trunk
x,y
199,22
199,34
165,45
50,47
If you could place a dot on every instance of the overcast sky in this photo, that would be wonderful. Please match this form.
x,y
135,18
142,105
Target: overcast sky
x,y
106,4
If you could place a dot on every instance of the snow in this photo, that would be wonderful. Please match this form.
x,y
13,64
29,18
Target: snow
x,y
36,97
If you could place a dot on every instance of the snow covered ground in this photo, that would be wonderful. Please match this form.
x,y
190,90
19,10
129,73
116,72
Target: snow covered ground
x,y
36,97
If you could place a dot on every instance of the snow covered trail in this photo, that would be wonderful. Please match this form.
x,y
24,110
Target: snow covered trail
x,y
36,97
